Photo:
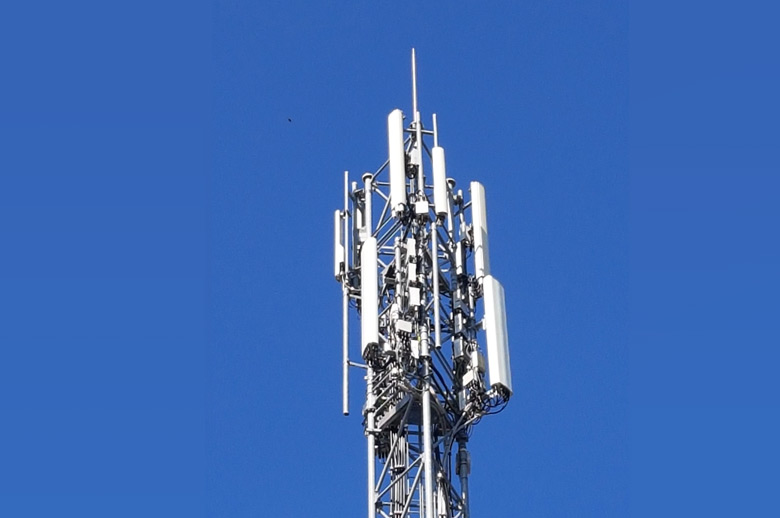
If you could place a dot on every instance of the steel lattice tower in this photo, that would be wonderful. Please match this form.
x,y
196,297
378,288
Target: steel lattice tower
x,y
418,273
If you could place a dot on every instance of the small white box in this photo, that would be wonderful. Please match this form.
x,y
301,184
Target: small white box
x,y
457,347
411,272
414,297
421,208
403,326
478,361
469,377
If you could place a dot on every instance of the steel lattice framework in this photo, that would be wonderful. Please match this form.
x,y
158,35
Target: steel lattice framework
x,y
418,273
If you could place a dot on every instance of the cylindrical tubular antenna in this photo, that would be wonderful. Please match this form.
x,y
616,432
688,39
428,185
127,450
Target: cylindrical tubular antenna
x,y
496,334
397,159
345,304
338,246
414,83
440,197
369,303
479,223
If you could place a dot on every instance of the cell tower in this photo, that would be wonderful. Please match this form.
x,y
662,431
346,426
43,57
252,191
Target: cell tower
x,y
418,273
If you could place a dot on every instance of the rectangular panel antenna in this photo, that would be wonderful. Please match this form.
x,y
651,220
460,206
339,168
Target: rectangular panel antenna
x,y
496,333
338,245
479,220
397,159
440,200
369,317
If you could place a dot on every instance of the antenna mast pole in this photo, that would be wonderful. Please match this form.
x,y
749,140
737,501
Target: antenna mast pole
x,y
415,267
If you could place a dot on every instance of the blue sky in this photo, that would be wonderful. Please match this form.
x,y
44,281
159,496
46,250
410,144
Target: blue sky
x,y
169,325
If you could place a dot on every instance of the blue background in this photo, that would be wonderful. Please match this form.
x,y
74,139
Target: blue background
x,y
169,326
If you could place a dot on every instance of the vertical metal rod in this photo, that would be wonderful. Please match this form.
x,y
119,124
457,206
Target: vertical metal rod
x,y
411,493
345,351
370,440
345,305
417,126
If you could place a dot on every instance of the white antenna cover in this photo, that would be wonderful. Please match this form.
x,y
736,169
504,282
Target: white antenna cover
x,y
338,247
395,150
414,85
440,197
496,334
479,221
369,302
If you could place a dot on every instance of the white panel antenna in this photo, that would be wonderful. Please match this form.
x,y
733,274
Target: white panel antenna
x,y
397,159
369,312
338,245
479,218
440,197
496,334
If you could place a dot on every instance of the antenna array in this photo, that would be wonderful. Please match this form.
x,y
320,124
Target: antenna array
x,y
418,273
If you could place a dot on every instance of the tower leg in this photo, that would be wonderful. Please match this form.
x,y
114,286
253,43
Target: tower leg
x,y
427,425
371,440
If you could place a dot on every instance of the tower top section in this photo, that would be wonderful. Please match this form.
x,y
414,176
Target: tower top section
x,y
411,254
